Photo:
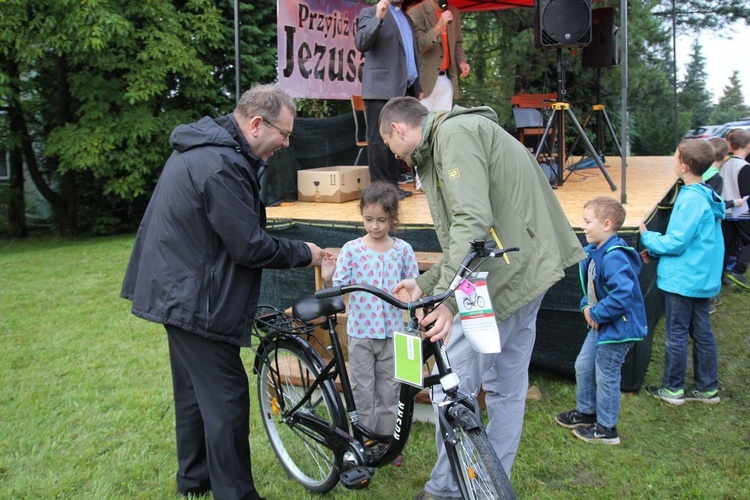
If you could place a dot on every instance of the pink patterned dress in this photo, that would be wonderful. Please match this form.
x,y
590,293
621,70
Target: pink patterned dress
x,y
370,317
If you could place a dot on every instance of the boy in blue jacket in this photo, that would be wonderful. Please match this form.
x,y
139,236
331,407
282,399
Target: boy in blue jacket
x,y
613,306
691,256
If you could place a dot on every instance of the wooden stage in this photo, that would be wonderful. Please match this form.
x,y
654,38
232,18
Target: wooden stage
x,y
649,179
559,325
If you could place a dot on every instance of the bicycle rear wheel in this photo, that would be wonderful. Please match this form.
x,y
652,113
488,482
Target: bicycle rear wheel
x,y
284,376
480,473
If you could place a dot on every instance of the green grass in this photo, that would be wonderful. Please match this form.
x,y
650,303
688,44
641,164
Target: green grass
x,y
86,406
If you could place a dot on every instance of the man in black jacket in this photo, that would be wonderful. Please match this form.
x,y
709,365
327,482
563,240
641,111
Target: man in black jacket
x,y
196,268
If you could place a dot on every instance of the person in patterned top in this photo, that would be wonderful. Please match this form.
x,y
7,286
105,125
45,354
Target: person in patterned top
x,y
380,260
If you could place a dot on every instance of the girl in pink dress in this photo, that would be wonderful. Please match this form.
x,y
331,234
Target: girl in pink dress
x,y
380,260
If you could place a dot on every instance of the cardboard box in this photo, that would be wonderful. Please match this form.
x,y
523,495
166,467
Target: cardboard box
x,y
332,184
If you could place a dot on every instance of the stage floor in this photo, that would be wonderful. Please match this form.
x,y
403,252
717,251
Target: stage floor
x,y
648,180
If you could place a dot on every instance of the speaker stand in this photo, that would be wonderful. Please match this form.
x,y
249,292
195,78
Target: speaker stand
x,y
559,109
600,112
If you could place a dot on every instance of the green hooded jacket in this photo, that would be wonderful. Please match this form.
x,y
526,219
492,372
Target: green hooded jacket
x,y
479,180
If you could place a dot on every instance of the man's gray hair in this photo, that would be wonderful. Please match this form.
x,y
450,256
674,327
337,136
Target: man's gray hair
x,y
407,110
266,101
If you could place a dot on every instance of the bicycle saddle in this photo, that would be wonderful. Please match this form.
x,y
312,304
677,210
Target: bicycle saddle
x,y
308,307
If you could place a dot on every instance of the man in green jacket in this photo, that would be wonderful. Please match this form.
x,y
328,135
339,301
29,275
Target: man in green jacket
x,y
481,183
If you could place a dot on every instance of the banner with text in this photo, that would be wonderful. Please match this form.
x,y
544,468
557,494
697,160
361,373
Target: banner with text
x,y
317,56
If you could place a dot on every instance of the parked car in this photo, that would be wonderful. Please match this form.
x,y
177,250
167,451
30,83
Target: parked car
x,y
723,130
702,132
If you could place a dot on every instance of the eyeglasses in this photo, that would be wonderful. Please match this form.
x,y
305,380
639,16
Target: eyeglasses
x,y
283,132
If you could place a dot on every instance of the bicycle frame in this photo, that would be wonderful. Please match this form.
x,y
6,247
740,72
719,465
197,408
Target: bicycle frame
x,y
355,434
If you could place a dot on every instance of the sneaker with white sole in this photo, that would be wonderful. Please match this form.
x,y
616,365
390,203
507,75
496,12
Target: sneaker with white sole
x,y
708,397
597,433
672,397
573,419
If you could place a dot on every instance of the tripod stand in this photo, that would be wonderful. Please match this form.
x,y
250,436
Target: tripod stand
x,y
558,119
601,114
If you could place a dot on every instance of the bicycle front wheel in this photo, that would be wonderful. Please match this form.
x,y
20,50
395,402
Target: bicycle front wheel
x,y
478,470
284,377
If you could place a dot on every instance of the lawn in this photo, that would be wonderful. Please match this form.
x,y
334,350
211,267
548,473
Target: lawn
x,y
86,407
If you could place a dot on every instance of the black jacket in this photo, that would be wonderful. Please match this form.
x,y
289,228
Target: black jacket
x,y
201,246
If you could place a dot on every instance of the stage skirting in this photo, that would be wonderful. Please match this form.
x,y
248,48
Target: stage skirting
x,y
560,326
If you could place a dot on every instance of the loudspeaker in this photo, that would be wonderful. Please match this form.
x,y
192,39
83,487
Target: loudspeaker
x,y
562,23
602,52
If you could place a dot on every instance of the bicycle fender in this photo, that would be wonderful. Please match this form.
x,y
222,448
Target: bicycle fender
x,y
301,343
465,416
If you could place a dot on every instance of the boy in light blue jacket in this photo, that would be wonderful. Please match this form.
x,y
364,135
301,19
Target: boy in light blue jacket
x,y
613,307
690,265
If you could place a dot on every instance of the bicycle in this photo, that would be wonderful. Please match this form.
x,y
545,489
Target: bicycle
x,y
473,300
319,440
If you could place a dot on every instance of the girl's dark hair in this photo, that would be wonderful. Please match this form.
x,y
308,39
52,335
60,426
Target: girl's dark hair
x,y
384,193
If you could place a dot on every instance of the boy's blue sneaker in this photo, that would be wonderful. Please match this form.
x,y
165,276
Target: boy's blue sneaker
x,y
597,433
573,419
709,397
672,397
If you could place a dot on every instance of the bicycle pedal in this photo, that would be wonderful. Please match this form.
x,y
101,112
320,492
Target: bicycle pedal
x,y
357,478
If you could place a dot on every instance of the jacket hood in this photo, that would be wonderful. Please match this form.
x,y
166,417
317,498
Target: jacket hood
x,y
204,132
219,132
718,208
433,120
612,244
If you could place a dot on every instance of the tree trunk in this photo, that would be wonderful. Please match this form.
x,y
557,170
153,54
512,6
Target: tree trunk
x,y
63,209
17,201
68,214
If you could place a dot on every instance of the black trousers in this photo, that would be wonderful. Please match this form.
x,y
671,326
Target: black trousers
x,y
212,411
733,231
382,164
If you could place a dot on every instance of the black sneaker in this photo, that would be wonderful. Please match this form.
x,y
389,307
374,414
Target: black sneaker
x,y
709,397
596,433
573,419
738,279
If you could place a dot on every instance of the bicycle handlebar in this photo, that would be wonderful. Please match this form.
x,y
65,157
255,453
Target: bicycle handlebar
x,y
479,248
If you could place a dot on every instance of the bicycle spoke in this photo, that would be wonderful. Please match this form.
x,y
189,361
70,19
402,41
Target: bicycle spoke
x,y
479,470
285,377
474,470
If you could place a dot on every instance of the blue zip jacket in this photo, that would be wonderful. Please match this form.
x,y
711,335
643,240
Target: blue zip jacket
x,y
691,253
620,312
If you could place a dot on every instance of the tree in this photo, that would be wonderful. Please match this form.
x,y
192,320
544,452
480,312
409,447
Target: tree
x,y
696,15
694,97
100,85
731,105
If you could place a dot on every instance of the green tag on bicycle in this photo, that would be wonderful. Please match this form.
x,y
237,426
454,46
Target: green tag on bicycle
x,y
407,353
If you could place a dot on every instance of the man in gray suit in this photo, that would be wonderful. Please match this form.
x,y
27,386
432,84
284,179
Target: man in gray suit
x,y
386,37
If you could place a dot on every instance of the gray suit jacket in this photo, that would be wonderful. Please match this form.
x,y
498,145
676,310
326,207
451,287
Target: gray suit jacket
x,y
431,47
384,74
